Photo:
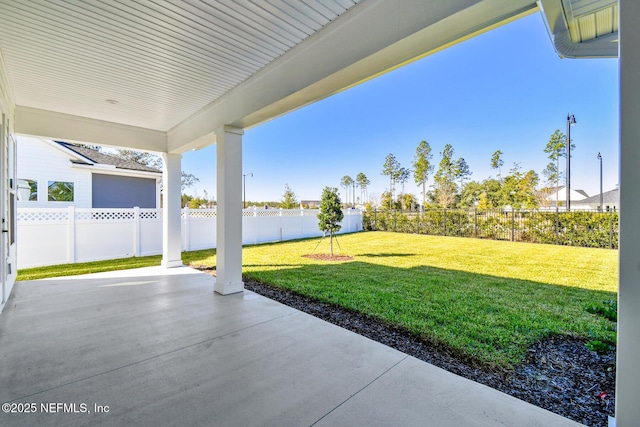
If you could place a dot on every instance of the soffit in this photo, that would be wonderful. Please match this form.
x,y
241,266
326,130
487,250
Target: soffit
x,y
590,19
160,62
583,28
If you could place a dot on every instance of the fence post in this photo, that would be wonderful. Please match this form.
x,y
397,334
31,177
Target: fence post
x,y
513,224
71,235
136,231
375,219
557,226
610,228
475,222
444,221
395,219
186,229
256,222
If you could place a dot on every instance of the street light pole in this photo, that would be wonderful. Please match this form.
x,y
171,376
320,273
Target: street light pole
x,y
244,188
571,121
601,200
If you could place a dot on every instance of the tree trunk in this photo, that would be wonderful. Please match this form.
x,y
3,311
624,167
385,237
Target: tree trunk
x,y
331,243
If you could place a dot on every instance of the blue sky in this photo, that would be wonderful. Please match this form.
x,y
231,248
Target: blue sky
x,y
506,89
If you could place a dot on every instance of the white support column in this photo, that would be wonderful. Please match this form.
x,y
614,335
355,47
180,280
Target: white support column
x,y
628,363
171,222
229,221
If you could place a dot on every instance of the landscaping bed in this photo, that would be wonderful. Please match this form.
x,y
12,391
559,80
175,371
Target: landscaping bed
x,y
559,373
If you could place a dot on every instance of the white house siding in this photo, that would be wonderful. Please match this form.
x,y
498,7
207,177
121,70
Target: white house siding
x,y
41,162
562,197
7,278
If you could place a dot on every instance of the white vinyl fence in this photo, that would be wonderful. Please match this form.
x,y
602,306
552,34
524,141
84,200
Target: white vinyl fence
x,y
70,235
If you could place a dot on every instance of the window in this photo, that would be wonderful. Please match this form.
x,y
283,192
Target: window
x,y
60,191
27,190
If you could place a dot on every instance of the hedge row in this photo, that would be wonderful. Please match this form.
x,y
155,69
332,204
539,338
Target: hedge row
x,y
579,228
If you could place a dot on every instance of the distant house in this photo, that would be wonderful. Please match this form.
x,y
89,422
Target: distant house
x,y
610,201
309,204
60,174
561,193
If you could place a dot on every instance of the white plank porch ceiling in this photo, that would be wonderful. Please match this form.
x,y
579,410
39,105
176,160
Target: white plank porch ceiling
x,y
161,61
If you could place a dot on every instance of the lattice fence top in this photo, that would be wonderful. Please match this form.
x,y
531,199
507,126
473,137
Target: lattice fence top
x,y
107,215
150,214
268,212
43,215
48,215
279,212
200,213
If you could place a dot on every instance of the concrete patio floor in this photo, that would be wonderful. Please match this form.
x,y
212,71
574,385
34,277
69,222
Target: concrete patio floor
x,y
158,347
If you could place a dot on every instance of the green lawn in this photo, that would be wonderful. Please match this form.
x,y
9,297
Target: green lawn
x,y
484,300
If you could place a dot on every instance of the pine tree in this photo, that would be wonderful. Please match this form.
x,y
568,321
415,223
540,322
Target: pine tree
x,y
363,183
422,167
390,168
288,198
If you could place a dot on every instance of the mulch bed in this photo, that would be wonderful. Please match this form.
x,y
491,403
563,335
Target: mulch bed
x,y
559,373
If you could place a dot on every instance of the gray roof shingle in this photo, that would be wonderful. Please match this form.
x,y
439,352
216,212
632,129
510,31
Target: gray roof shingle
x,y
105,159
608,197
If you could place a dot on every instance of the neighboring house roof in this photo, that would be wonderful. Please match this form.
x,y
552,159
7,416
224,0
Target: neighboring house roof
x,y
611,197
554,190
94,156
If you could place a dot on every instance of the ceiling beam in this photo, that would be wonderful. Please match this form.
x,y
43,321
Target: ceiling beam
x,y
69,128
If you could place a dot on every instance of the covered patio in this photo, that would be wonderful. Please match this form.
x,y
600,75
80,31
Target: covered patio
x,y
173,76
156,347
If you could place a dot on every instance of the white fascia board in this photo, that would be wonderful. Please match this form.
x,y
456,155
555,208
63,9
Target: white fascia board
x,y
83,130
372,38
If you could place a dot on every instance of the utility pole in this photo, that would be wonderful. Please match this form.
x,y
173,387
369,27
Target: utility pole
x,y
601,199
571,121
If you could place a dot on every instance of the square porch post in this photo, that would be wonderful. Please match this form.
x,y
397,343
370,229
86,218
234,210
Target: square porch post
x,y
229,211
171,210
628,363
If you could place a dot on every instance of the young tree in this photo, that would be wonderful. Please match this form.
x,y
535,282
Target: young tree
x,y
497,162
346,182
389,168
363,183
288,198
330,214
422,167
